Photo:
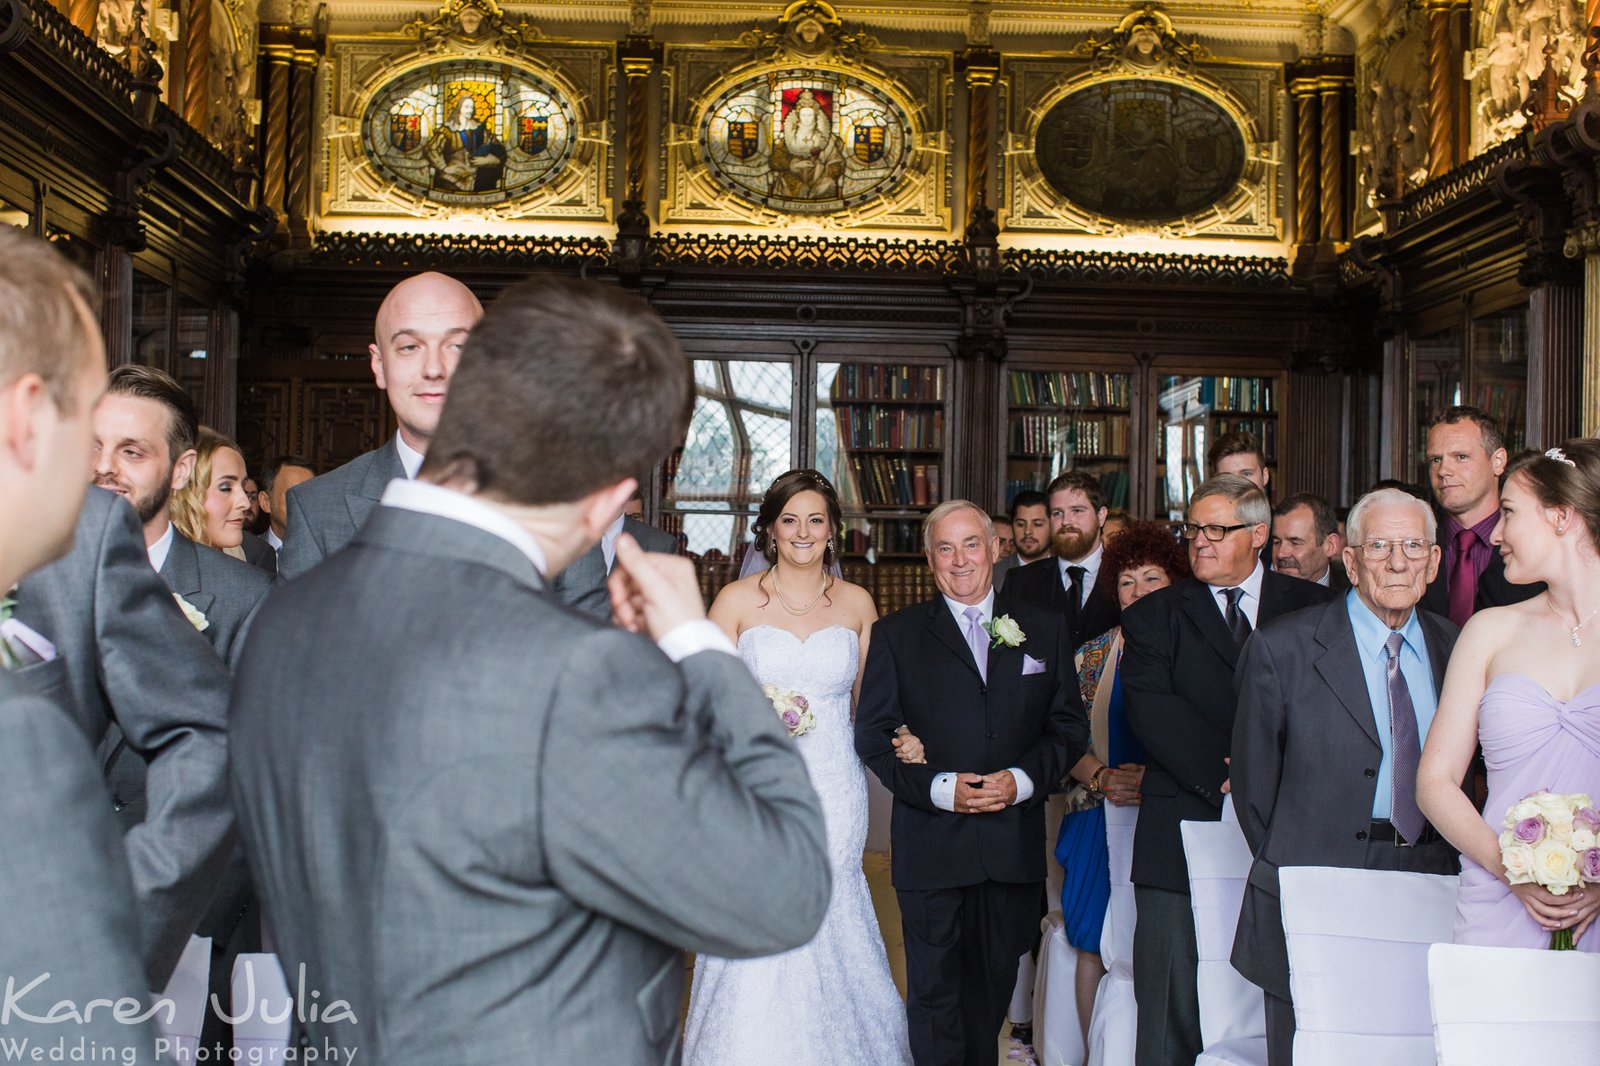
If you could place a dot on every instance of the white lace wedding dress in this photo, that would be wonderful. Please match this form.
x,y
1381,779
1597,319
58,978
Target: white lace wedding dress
x,y
831,1002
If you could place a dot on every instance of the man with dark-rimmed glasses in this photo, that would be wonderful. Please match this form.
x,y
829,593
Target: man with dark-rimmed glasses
x,y
1181,645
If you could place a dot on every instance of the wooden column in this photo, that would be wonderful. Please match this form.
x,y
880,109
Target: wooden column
x,y
222,372
84,14
278,56
1332,212
637,56
1555,361
116,307
981,65
1591,52
1589,412
298,191
1442,76
197,63
1307,164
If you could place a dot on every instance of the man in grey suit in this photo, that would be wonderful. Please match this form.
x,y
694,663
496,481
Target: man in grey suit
x,y
487,822
421,327
1334,706
68,932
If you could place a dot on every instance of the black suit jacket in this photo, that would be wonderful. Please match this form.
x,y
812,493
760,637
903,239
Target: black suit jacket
x,y
1493,588
1040,582
1177,678
920,673
260,554
1305,760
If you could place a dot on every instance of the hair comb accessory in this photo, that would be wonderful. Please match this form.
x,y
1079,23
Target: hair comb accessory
x,y
1560,456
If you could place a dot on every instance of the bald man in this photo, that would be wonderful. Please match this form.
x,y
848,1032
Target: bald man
x,y
421,329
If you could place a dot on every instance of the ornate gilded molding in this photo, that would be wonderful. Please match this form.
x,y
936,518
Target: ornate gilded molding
x,y
417,250
1149,268
766,251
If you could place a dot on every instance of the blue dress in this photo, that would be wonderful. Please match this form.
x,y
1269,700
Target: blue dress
x,y
1081,844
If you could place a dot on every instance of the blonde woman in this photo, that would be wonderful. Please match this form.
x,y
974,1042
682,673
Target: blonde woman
x,y
211,509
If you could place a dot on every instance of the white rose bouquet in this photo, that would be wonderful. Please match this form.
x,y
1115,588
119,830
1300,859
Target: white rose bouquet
x,y
1553,841
793,709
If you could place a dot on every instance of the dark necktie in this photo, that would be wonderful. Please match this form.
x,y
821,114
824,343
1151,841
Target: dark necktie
x,y
1075,575
1238,624
1463,585
1405,749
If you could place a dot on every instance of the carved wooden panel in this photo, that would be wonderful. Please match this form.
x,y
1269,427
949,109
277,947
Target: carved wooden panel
x,y
327,410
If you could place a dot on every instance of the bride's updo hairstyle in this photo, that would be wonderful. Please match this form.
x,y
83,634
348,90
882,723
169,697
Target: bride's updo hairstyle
x,y
1568,476
785,488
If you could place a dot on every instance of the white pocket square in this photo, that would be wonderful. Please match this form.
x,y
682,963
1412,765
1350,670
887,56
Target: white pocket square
x,y
1030,665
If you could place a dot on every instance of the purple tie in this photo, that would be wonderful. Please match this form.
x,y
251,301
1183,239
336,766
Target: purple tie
x,y
1405,749
1463,584
978,640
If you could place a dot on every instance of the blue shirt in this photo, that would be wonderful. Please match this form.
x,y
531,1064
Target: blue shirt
x,y
1371,636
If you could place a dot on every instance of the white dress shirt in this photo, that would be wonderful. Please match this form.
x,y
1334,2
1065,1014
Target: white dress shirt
x,y
1091,566
272,538
158,551
943,791
427,498
608,542
410,458
1249,599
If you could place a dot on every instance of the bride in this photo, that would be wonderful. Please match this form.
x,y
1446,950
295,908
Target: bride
x,y
1524,682
800,629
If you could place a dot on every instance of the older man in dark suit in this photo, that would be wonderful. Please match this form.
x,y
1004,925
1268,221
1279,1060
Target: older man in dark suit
x,y
1334,705
987,683
69,933
1182,645
489,823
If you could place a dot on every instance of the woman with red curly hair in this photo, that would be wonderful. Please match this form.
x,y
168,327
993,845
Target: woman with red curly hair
x,y
1141,558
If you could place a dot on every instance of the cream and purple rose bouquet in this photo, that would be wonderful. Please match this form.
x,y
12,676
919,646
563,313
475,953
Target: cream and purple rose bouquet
x,y
794,711
1553,841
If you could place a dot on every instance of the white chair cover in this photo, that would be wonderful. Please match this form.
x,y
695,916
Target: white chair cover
x,y
1358,943
181,1006
263,1007
1114,1021
1233,1023
1023,995
1057,1032
1493,1006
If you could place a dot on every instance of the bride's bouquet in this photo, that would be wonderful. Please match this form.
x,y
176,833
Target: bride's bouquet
x,y
1553,841
793,709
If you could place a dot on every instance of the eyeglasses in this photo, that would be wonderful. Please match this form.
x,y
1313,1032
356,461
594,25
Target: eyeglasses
x,y
1379,550
1188,530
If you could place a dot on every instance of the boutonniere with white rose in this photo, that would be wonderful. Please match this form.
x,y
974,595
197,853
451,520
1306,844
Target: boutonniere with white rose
x,y
1004,631
195,616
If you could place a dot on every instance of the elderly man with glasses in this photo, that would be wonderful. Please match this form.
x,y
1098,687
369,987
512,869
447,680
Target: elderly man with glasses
x,y
1181,646
1334,705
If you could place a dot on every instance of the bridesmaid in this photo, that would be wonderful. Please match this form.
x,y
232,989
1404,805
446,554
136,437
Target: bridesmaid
x,y
211,508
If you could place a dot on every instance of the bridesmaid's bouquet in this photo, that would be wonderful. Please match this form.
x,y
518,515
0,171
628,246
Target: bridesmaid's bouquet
x,y
793,709
1553,841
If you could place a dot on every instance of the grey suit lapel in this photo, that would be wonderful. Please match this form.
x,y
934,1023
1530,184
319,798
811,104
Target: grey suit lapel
x,y
1198,604
1340,666
384,468
181,570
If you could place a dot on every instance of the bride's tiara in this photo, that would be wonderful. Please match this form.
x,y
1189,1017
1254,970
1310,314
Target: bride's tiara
x,y
1560,456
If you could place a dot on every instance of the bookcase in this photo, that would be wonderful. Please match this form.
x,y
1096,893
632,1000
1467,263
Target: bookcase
x,y
1059,420
1194,411
1499,377
1478,357
880,438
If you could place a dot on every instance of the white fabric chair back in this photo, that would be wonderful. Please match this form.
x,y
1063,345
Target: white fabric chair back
x,y
264,1009
181,1006
1114,1021
1358,943
1057,1033
1493,1006
1219,861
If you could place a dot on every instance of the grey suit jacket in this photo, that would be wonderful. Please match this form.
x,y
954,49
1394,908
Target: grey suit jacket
x,y
1305,761
227,592
490,823
649,537
325,512
64,887
260,554
127,655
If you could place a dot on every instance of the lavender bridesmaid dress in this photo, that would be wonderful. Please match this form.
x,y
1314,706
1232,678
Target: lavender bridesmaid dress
x,y
1531,742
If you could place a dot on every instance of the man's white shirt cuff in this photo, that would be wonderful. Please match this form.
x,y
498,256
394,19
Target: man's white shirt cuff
x,y
943,792
692,638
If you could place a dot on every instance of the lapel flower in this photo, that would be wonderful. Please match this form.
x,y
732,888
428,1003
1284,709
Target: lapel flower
x,y
1004,630
195,616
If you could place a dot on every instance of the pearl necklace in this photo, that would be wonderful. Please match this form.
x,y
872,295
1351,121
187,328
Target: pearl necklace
x,y
1576,643
785,603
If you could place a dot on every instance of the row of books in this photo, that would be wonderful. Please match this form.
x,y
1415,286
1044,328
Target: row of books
x,y
1239,394
1077,389
895,481
861,381
1264,430
885,536
872,426
1042,434
1113,484
1508,404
